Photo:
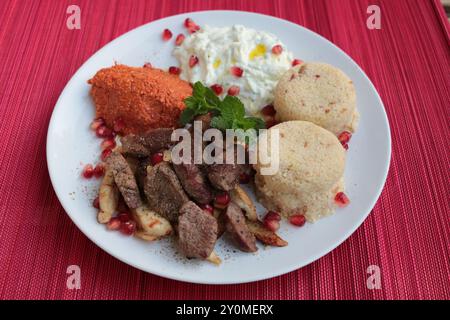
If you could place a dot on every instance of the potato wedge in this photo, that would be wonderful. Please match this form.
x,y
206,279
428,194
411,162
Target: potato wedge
x,y
242,199
150,225
214,258
265,236
108,198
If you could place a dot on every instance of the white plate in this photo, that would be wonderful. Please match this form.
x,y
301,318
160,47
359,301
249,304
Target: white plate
x,y
70,143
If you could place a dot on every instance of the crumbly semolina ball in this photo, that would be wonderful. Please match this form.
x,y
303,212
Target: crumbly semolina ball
x,y
311,163
319,93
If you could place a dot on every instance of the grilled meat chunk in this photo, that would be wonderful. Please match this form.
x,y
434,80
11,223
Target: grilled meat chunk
x,y
146,144
164,192
197,231
237,227
194,182
125,180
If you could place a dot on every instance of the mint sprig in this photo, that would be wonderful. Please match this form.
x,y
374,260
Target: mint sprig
x,y
227,114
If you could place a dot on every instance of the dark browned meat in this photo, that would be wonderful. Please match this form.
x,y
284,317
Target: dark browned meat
x,y
125,180
237,227
164,192
197,231
224,176
194,182
148,143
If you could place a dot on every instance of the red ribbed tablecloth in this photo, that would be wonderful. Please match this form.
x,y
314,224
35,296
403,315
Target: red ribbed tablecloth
x,y
406,235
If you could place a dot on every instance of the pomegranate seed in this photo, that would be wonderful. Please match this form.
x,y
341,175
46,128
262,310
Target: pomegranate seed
x,y
97,123
179,39
193,29
119,125
193,60
270,123
108,144
88,171
148,65
272,215
236,71
104,132
105,154
167,35
222,200
124,217
277,49
157,158
296,62
345,145
297,220
208,208
268,111
188,22
341,199
272,225
113,224
234,91
96,203
128,228
217,88
174,70
344,137
244,178
191,25
99,170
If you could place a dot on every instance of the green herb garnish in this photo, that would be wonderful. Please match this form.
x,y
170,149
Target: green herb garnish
x,y
227,114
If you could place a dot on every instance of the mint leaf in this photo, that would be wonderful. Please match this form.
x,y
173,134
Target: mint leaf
x,y
227,114
220,123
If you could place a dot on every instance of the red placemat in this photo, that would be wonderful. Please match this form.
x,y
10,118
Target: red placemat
x,y
406,235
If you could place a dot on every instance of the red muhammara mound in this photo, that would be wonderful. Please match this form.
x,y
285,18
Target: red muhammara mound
x,y
139,98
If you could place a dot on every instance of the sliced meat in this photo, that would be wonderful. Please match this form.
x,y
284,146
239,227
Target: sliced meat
x,y
148,143
237,227
226,176
125,180
197,231
164,192
194,182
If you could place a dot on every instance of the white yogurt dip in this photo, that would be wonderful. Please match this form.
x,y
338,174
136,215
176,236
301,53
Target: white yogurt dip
x,y
220,49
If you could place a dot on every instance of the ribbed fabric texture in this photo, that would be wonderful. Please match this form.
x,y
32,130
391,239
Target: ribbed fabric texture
x,y
406,235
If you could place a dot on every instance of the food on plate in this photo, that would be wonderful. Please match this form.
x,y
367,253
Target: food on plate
x,y
228,113
194,181
239,78
242,199
236,225
214,258
264,235
197,231
310,174
147,143
150,225
138,98
124,179
164,192
224,176
319,93
248,61
108,198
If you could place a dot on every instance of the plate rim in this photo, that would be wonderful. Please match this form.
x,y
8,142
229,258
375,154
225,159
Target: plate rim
x,y
281,270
